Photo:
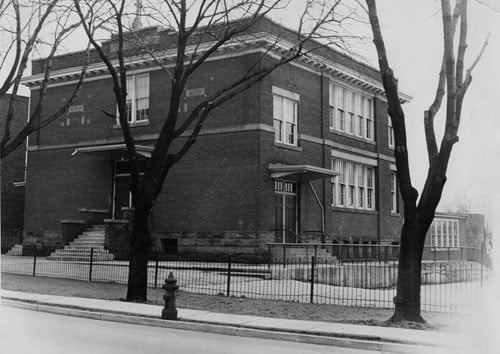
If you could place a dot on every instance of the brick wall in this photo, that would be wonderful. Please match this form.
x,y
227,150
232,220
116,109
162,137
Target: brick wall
x,y
12,170
59,184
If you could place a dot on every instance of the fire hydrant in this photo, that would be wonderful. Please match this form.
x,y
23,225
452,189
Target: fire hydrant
x,y
169,311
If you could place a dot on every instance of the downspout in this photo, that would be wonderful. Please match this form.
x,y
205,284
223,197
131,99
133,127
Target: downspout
x,y
323,157
322,211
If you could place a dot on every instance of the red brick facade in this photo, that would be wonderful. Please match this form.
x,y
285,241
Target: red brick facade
x,y
222,189
12,175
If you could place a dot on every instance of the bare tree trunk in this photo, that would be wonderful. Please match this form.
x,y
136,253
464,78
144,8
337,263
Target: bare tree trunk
x,y
139,252
407,300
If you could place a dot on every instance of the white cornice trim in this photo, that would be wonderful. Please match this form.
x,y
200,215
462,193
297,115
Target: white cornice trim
x,y
239,43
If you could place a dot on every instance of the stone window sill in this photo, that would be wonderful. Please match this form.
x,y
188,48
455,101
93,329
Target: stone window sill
x,y
287,146
133,125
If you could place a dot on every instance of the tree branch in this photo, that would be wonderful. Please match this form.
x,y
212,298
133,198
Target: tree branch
x,y
408,193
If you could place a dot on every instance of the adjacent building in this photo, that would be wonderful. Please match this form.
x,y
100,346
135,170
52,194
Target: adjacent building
x,y
457,236
305,155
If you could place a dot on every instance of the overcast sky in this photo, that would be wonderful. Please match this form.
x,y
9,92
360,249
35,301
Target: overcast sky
x,y
412,31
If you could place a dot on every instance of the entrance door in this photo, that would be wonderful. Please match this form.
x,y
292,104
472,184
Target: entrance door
x,y
121,186
285,197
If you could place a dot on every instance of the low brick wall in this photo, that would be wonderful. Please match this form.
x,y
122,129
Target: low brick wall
x,y
44,242
71,229
117,238
242,246
377,276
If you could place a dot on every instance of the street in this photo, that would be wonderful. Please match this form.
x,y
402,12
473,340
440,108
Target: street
x,y
25,331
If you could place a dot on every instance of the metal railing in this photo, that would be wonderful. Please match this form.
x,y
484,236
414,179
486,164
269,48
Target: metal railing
x,y
320,277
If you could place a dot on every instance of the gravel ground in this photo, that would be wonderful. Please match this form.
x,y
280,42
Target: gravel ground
x,y
216,303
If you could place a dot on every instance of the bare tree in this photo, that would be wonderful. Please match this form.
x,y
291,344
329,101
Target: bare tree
x,y
22,36
202,28
419,212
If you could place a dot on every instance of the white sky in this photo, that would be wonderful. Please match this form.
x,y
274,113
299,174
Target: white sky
x,y
412,31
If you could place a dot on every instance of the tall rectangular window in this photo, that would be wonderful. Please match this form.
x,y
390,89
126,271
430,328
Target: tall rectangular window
x,y
390,133
369,119
340,108
138,98
285,107
394,193
353,187
370,187
351,107
338,183
361,186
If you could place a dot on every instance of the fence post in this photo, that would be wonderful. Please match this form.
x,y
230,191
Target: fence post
x,y
34,262
284,255
156,271
91,261
313,262
229,275
268,256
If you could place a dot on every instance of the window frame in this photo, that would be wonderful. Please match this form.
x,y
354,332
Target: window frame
x,y
390,133
445,233
351,112
351,188
132,98
394,190
281,135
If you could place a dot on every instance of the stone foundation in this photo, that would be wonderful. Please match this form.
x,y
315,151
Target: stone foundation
x,y
242,246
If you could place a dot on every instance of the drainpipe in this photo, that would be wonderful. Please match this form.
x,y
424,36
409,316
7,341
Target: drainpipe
x,y
322,211
323,157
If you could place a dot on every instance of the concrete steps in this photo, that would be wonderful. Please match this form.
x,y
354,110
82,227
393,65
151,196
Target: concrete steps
x,y
80,249
16,250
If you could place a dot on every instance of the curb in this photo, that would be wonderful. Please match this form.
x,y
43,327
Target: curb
x,y
372,343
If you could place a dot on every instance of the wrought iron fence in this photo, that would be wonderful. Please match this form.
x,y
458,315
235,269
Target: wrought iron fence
x,y
319,277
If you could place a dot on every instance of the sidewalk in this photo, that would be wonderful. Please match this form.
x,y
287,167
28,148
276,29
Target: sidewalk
x,y
380,339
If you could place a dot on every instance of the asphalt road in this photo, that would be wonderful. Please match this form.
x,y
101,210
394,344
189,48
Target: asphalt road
x,y
25,331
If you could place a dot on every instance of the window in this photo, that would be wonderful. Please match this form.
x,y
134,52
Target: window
x,y
370,196
369,118
354,186
138,98
350,112
285,106
444,233
361,186
390,132
394,193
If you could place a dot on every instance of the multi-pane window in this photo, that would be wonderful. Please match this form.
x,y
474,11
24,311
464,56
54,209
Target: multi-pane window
x,y
285,118
394,193
354,185
361,186
370,186
351,191
444,233
368,118
138,98
350,112
339,187
390,132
